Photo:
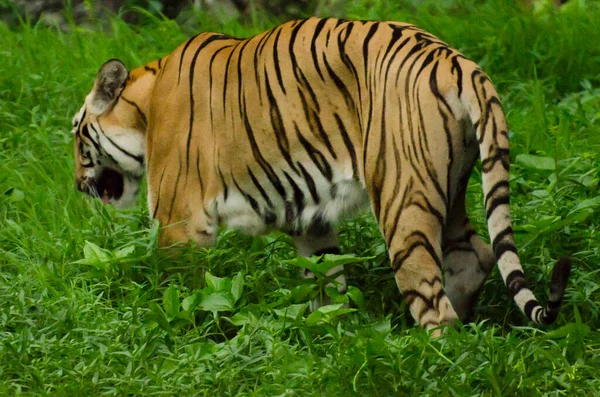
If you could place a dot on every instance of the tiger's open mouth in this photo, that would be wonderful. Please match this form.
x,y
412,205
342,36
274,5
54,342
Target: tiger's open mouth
x,y
109,185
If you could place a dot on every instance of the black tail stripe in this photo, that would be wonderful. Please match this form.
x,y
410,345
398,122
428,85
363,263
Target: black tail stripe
x,y
515,282
529,307
496,187
507,232
504,247
496,202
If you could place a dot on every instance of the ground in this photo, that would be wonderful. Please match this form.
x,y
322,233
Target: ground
x,y
89,306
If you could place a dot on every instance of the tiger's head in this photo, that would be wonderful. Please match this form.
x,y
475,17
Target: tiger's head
x,y
110,139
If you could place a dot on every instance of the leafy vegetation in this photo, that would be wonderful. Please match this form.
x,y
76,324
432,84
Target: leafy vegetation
x,y
90,306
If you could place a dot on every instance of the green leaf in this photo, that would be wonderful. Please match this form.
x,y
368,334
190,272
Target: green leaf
x,y
157,315
171,302
305,263
536,162
190,303
327,262
93,252
239,319
17,195
124,252
217,284
95,256
330,261
237,286
356,295
314,318
199,350
326,313
292,311
572,330
588,203
217,302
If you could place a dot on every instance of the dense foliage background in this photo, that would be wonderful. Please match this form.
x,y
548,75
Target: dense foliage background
x,y
90,306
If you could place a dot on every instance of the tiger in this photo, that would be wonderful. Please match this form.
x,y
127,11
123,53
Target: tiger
x,y
298,127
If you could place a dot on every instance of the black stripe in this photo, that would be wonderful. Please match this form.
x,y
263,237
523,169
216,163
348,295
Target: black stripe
x,y
313,46
496,202
422,241
283,142
407,192
317,157
502,155
298,195
340,85
248,197
86,133
515,282
267,168
410,296
365,47
261,190
149,69
210,82
158,193
139,159
198,172
185,47
226,80
140,113
310,183
348,143
225,189
430,208
398,169
459,74
441,100
529,307
191,89
508,232
276,64
504,247
174,191
492,191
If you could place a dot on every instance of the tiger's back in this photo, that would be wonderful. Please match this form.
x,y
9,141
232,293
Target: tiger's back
x,y
288,115
300,125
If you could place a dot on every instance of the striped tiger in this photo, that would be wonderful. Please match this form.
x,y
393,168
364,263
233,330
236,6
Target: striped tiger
x,y
299,126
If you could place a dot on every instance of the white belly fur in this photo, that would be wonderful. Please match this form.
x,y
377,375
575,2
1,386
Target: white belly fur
x,y
349,196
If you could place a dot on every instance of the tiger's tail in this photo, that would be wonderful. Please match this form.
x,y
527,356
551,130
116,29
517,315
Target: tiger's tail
x,y
489,123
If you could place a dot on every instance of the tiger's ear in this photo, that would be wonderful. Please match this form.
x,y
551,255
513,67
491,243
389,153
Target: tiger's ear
x,y
109,83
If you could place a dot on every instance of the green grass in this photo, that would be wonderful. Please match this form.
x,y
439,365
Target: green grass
x,y
77,319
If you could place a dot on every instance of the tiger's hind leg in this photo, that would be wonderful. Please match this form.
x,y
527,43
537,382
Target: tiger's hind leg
x,y
320,243
467,262
414,241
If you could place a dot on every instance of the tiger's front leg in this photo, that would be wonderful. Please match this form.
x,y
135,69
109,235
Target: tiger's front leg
x,y
199,228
